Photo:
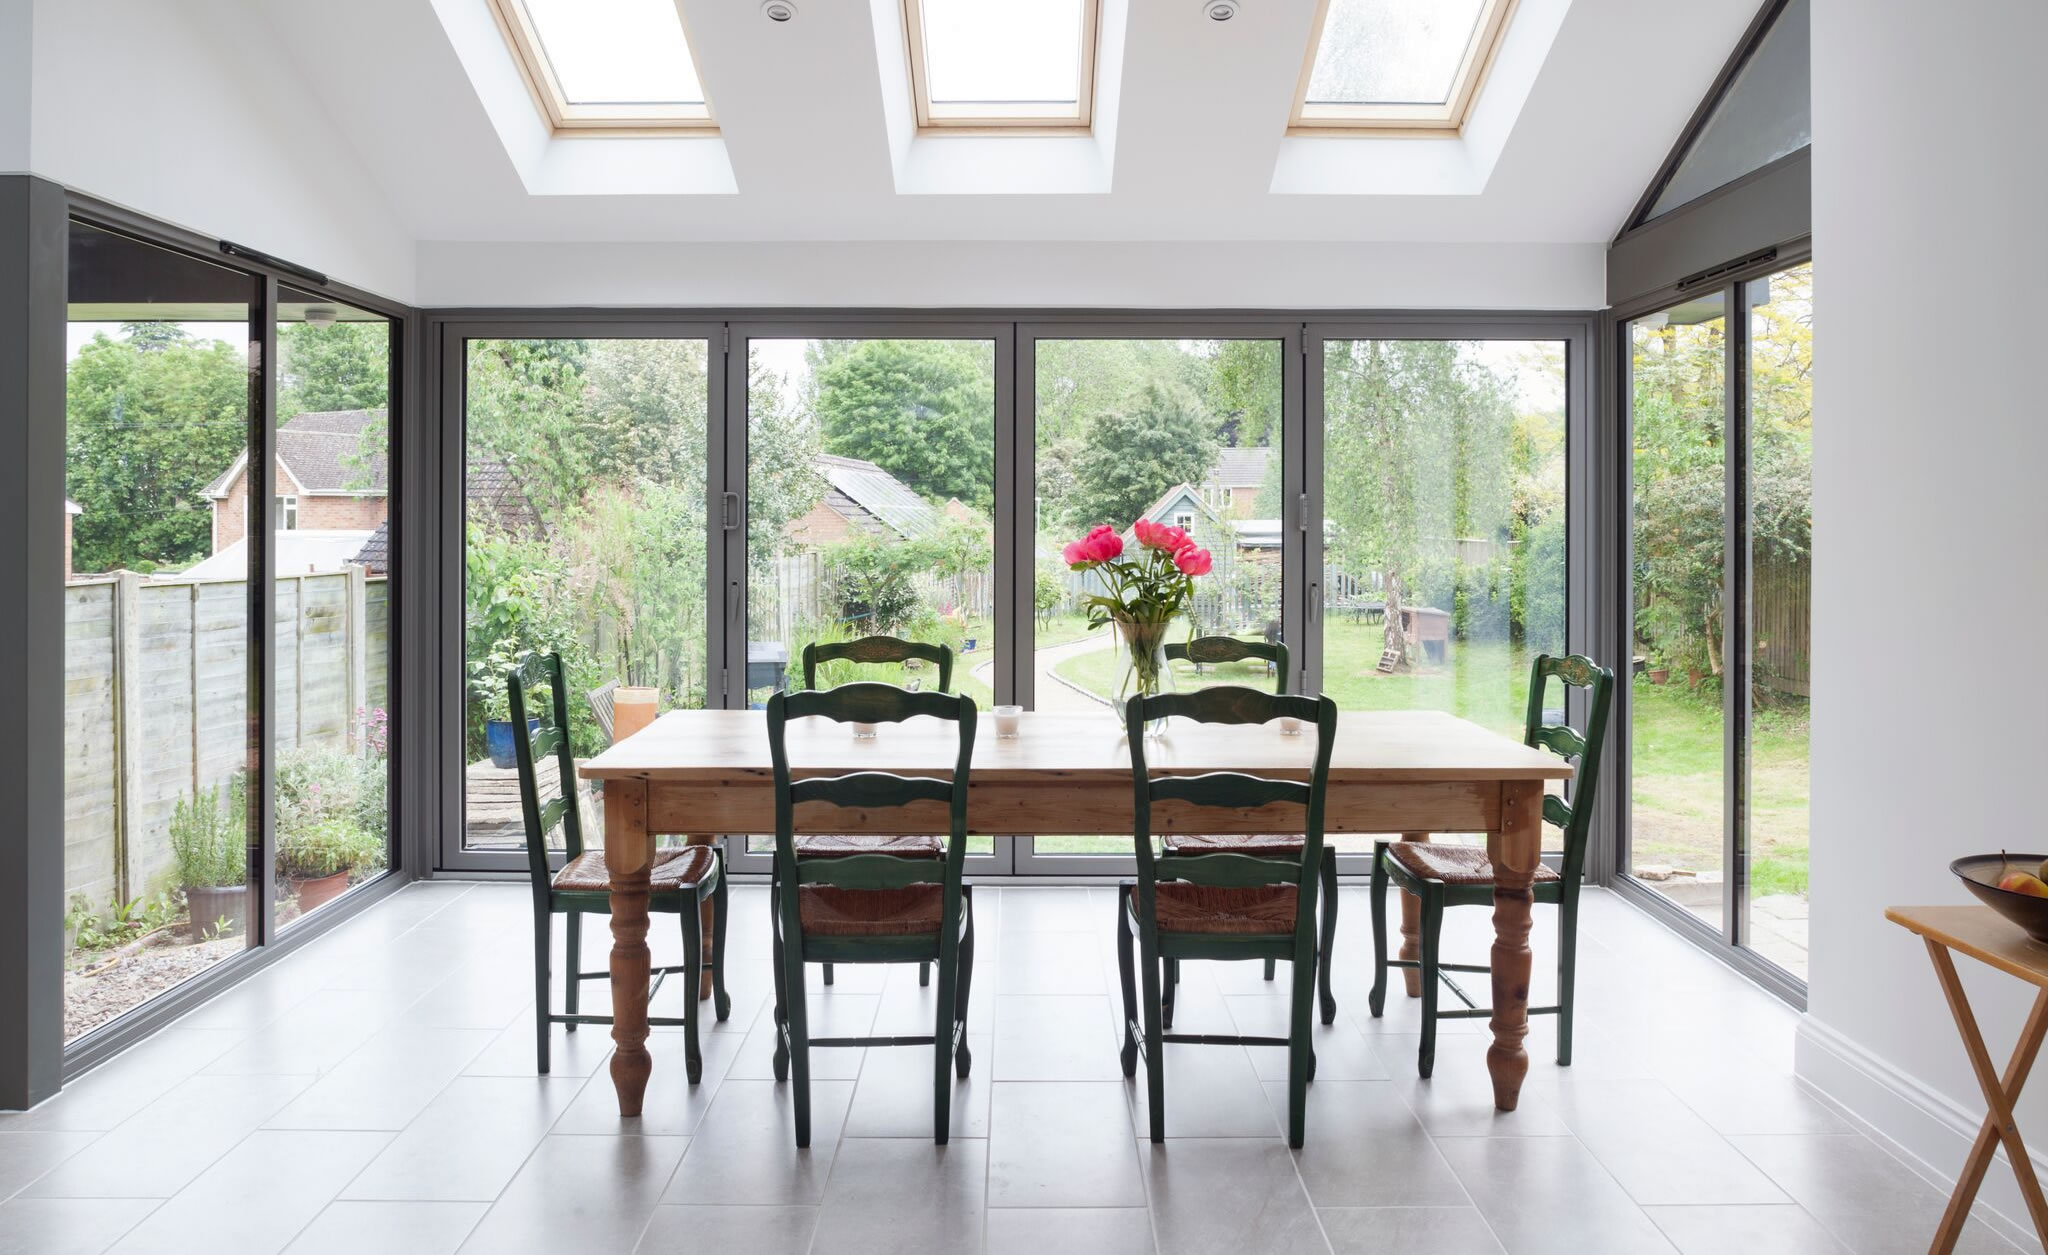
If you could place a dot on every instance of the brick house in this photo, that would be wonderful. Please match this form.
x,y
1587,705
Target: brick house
x,y
862,499
325,481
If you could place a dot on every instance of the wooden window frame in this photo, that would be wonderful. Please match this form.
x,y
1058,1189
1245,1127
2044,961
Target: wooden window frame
x,y
1444,121
995,117
594,121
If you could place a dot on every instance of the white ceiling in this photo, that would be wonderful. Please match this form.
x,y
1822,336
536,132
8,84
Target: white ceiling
x,y
1198,134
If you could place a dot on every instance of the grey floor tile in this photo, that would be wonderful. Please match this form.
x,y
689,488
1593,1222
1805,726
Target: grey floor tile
x,y
893,1097
1046,909
255,1199
1785,1229
1403,1230
385,1082
1227,1196
1755,1101
68,1226
901,1196
1062,1144
745,1148
124,1085
1870,1201
1070,1231
591,1195
752,1230
388,1228
469,1142
1364,1148
1549,1196
1657,1148
1342,1052
27,1154
316,1036
831,1015
1211,1091
672,1106
511,1052
1055,1038
1053,963
1458,1102
159,1150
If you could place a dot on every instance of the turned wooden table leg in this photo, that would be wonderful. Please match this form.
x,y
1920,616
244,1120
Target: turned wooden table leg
x,y
628,858
704,919
1411,930
1515,849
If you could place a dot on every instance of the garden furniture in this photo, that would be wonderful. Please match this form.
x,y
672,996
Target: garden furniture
x,y
1228,904
678,882
1440,876
601,699
870,907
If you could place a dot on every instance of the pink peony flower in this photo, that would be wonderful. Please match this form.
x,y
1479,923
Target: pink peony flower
x,y
1192,560
1076,553
1099,545
1147,533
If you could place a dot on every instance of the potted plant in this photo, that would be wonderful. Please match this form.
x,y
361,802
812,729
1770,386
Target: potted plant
x,y
1146,593
210,847
487,693
318,859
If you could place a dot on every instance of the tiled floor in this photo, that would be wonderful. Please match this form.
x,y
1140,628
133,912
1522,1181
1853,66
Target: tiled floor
x,y
376,1093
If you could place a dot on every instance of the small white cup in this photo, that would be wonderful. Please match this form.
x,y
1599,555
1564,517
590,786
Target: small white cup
x,y
1290,726
1007,719
863,731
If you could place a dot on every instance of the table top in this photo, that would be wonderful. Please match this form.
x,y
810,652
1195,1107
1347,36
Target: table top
x,y
1981,933
1404,747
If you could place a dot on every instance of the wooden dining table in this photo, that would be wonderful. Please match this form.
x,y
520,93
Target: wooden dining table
x,y
702,773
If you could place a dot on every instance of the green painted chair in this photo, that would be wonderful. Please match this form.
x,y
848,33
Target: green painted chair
x,y
876,649
870,907
1209,651
679,883
1462,875
1226,904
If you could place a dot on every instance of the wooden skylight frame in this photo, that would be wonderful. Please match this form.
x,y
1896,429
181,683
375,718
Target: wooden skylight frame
x,y
594,120
1415,120
996,117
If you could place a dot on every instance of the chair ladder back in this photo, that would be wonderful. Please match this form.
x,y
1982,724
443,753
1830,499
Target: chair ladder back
x,y
878,649
525,683
1205,650
1573,816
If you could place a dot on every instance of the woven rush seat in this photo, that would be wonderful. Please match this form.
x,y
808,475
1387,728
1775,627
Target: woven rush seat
x,y
832,845
1240,843
832,911
1452,864
1249,911
673,870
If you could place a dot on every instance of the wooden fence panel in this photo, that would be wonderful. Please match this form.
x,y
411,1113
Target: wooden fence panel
x,y
1781,615
377,663
89,729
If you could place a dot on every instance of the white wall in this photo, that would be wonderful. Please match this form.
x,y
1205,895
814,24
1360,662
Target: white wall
x,y
15,60
191,112
1930,729
1019,274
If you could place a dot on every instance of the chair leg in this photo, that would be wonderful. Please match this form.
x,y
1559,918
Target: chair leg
x,y
1301,1060
1155,1046
1432,931
1168,989
1127,979
1376,1001
543,940
721,1001
828,973
798,1022
963,1058
693,965
942,1039
574,942
1269,969
1328,947
780,1011
924,975
1567,973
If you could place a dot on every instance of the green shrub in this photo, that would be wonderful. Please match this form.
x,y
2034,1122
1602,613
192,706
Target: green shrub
x,y
209,843
334,844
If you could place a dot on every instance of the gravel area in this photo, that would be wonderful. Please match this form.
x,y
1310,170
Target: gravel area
x,y
105,985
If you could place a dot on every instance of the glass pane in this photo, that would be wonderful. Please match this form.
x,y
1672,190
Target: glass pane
x,y
1003,52
617,52
1181,433
586,525
157,821
1680,474
870,510
1781,610
1444,528
1766,114
1391,52
331,551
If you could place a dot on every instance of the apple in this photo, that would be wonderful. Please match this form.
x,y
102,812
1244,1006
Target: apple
x,y
2023,882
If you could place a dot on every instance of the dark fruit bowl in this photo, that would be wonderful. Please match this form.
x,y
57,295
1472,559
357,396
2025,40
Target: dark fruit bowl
x,y
1980,874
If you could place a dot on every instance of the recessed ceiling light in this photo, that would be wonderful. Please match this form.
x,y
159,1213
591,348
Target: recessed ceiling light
x,y
1219,10
778,10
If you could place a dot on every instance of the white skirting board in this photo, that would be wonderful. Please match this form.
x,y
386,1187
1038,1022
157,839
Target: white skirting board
x,y
1925,1130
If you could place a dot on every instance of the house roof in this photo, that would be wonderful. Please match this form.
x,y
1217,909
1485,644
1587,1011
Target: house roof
x,y
376,551
869,497
1243,467
495,497
294,551
321,451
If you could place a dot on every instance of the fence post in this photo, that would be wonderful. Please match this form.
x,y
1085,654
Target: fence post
x,y
358,626
127,715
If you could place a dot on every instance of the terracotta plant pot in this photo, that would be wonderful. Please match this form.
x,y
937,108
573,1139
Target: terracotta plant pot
x,y
314,894
634,706
211,903
1659,675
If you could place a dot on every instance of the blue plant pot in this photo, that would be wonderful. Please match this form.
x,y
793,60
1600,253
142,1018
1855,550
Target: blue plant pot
x,y
498,741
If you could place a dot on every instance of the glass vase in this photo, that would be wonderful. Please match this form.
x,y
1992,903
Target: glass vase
x,y
1142,668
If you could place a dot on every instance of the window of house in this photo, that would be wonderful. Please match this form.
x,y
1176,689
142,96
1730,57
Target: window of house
x,y
284,516
1006,64
1184,520
1397,65
606,66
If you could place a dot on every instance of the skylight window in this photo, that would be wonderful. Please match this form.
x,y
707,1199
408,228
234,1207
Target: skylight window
x,y
606,66
1002,64
1397,65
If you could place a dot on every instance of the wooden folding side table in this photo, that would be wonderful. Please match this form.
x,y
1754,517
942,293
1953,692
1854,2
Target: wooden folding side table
x,y
1979,932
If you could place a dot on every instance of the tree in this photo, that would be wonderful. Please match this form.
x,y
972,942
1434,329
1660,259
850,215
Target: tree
x,y
646,412
923,410
526,409
343,366
150,420
1130,457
